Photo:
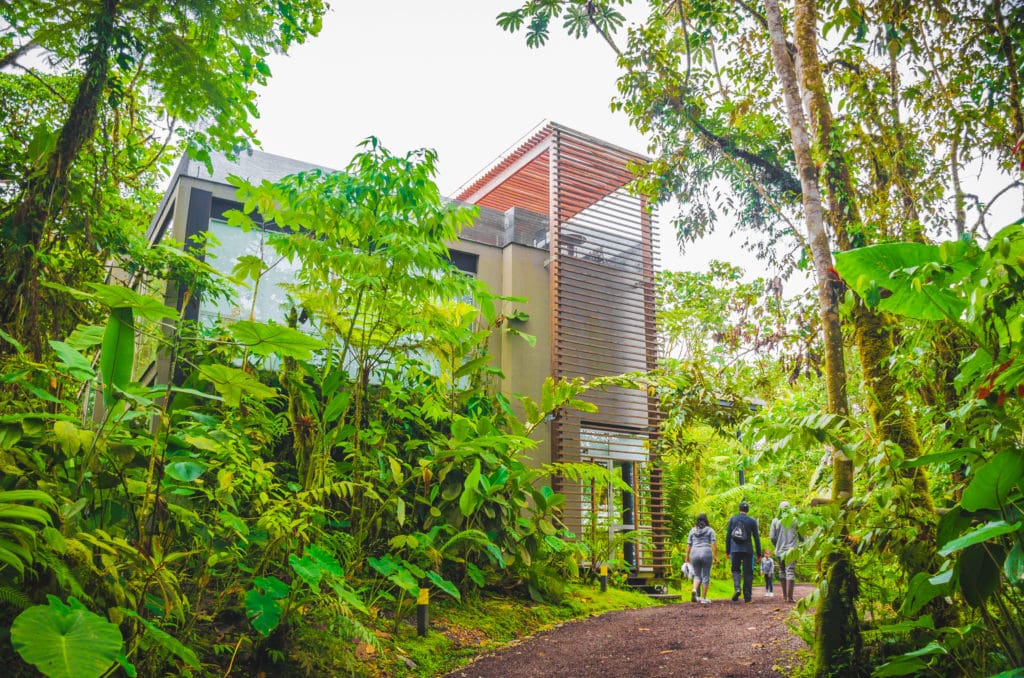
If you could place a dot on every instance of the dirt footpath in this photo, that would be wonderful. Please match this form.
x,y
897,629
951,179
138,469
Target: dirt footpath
x,y
686,639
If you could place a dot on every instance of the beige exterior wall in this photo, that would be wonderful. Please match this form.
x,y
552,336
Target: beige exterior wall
x,y
520,271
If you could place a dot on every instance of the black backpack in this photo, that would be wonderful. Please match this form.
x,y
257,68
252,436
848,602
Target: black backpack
x,y
740,534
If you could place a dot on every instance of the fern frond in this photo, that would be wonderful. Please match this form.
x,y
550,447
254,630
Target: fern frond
x,y
14,598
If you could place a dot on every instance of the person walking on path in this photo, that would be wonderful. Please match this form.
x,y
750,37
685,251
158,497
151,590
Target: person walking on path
x,y
742,543
768,570
784,538
701,547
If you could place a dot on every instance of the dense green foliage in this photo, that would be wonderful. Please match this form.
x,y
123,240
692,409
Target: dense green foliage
x,y
812,127
332,471
85,139
276,483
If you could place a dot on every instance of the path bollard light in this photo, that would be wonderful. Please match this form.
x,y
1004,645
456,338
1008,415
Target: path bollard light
x,y
422,603
604,578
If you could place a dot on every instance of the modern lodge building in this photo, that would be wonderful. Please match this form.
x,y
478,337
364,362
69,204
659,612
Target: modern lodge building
x,y
557,225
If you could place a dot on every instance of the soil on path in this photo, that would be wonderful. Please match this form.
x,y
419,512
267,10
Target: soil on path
x,y
686,639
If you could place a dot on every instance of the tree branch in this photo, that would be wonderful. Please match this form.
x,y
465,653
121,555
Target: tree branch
x,y
981,217
760,18
42,82
603,34
686,40
11,58
775,174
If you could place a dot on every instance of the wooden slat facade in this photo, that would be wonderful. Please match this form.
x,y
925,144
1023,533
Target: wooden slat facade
x,y
603,255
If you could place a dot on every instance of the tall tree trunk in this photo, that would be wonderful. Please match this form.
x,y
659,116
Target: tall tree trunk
x,y
838,639
44,193
887,402
817,240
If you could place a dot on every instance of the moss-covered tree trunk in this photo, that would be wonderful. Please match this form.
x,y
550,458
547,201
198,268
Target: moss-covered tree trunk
x,y
44,193
838,640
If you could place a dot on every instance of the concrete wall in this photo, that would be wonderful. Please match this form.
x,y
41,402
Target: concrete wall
x,y
512,267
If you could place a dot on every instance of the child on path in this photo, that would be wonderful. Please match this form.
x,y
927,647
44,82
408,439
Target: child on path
x,y
768,570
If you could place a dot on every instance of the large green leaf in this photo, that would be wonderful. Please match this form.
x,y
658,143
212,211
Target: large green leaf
x,y
68,436
923,589
992,483
1014,565
74,362
117,297
910,662
979,568
471,366
307,569
445,585
232,384
66,641
117,353
263,604
470,498
895,276
85,336
982,534
185,471
270,338
263,610
327,562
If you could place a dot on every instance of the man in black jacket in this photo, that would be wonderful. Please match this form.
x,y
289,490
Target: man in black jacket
x,y
742,542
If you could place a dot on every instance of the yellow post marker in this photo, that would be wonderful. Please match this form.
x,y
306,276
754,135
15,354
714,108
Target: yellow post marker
x,y
604,578
422,604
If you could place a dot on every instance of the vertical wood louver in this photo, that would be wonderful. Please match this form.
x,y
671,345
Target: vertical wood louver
x,y
602,259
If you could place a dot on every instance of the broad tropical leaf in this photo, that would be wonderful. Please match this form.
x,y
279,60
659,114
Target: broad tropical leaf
x,y
66,641
272,339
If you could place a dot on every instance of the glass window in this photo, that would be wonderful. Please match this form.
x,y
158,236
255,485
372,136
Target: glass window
x,y
269,300
464,261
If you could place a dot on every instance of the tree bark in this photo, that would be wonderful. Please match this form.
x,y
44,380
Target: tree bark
x,y
44,193
887,402
838,639
814,219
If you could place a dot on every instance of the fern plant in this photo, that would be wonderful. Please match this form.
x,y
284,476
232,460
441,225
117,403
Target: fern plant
x,y
20,521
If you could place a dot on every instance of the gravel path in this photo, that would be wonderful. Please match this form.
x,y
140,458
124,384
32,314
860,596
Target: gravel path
x,y
686,639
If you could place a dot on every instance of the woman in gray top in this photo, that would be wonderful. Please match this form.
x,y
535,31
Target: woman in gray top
x,y
701,553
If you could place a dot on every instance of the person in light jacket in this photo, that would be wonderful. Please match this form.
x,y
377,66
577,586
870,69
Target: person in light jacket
x,y
701,547
784,536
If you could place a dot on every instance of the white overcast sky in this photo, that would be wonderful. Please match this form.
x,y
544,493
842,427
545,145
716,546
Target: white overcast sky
x,y
441,74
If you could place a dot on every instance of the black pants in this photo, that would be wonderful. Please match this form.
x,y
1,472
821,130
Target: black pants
x,y
744,561
768,583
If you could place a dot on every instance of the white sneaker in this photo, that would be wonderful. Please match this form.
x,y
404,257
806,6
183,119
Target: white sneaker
x,y
769,594
705,601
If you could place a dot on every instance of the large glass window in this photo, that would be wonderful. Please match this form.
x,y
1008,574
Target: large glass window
x,y
610,512
268,300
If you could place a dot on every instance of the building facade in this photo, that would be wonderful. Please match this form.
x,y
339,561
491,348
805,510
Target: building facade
x,y
558,226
